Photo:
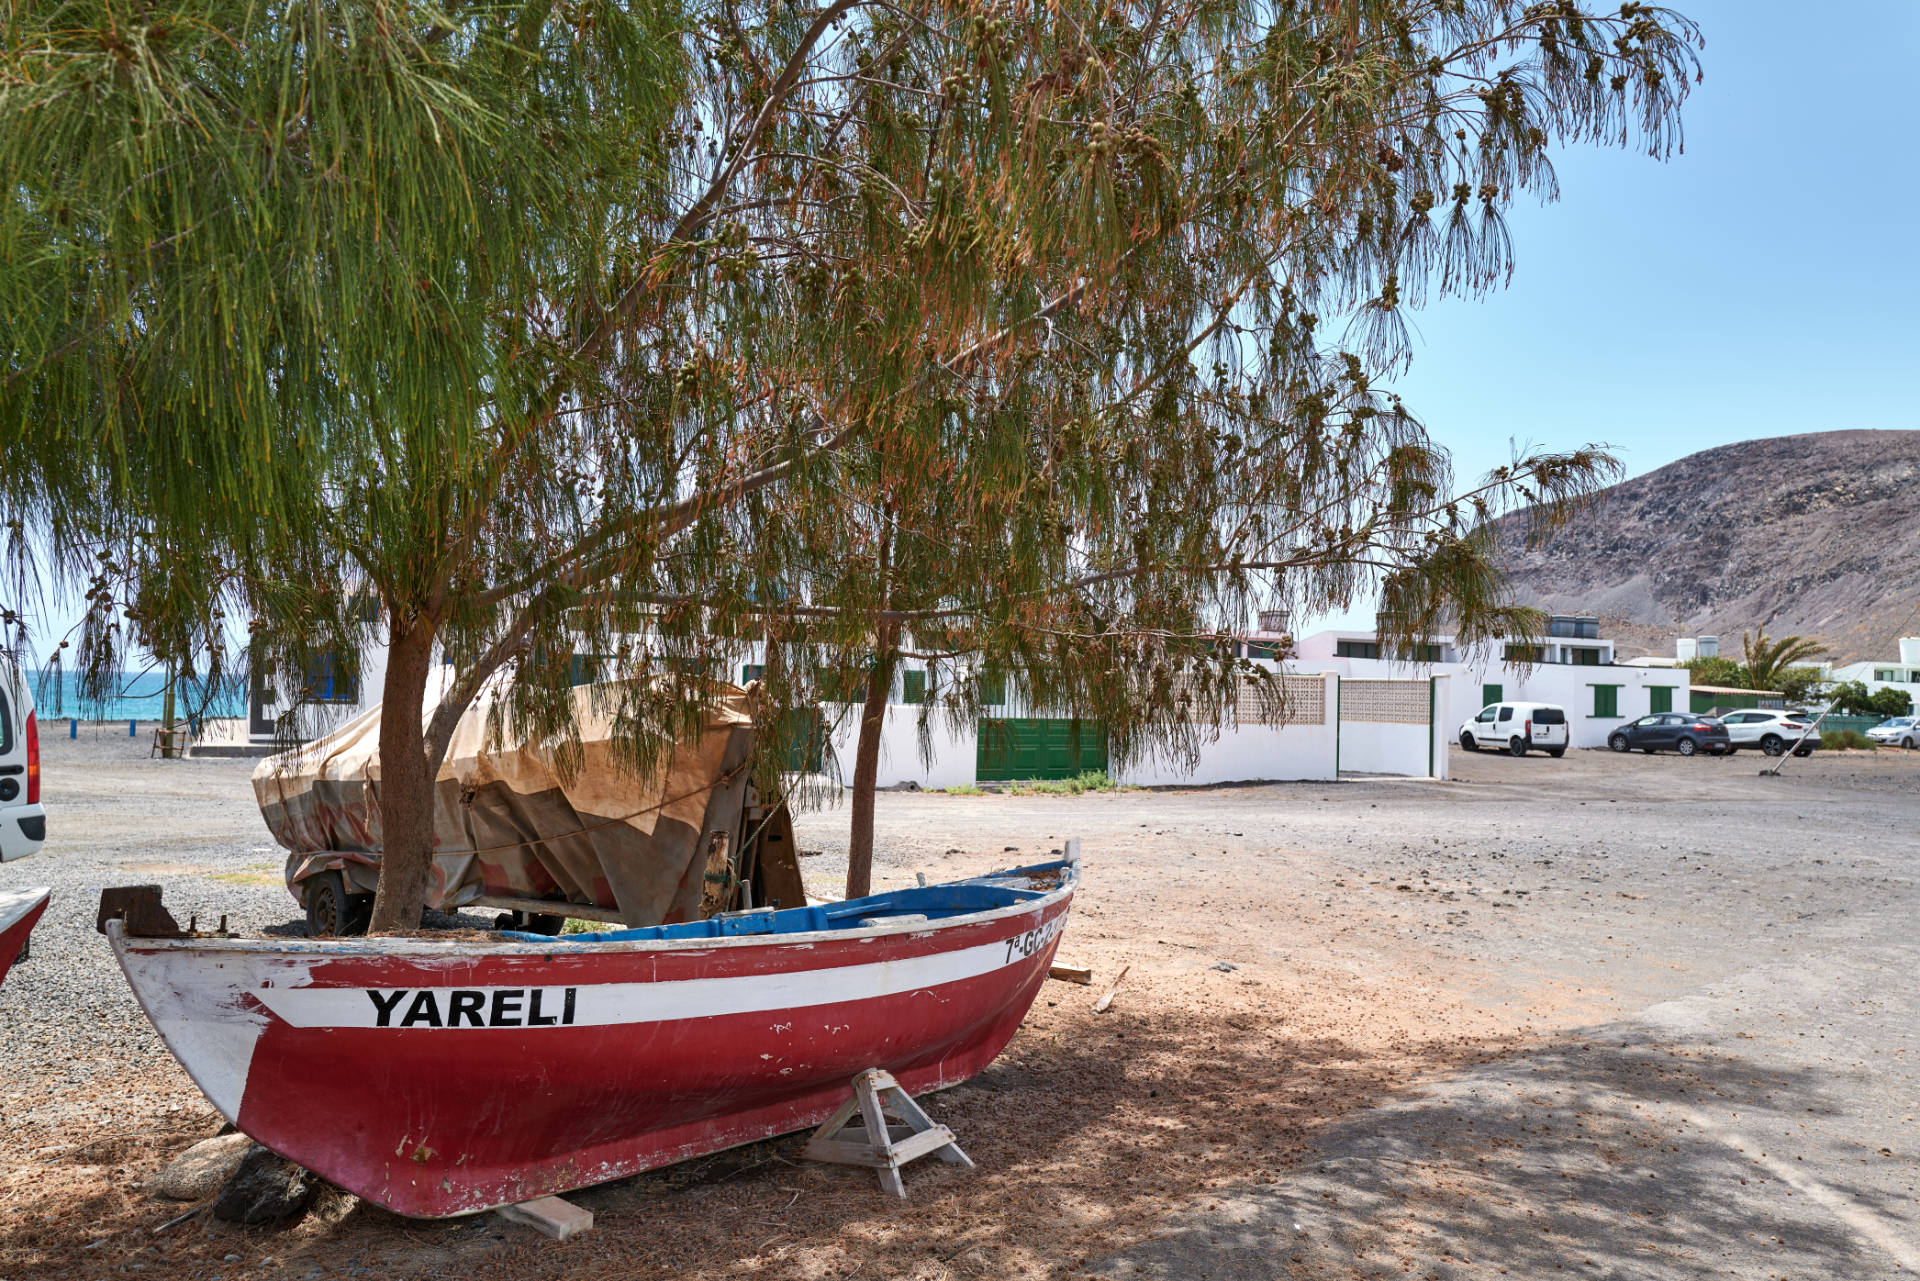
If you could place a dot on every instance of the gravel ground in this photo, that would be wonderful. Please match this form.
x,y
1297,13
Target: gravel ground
x,y
1616,1016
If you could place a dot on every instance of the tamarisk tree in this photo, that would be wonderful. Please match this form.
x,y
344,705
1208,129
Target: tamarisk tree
x,y
1051,337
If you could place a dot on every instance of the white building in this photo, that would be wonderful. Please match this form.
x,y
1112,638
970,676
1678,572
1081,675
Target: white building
x,y
1373,721
1572,667
1877,674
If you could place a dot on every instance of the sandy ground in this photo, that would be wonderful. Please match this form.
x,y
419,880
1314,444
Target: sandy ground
x,y
1605,1016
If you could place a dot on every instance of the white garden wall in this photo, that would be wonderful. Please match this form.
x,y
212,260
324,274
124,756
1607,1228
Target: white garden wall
x,y
955,755
1303,750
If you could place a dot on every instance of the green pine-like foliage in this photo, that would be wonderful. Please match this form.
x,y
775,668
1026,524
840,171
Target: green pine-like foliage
x,y
1050,339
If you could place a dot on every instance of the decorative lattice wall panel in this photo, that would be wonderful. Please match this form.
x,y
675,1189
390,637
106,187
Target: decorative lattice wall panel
x,y
1303,701
1386,702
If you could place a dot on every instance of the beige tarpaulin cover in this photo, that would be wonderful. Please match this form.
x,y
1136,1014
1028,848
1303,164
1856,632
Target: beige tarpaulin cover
x,y
506,824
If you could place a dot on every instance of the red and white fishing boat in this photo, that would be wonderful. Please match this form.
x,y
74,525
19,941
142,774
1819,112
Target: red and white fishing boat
x,y
19,910
444,1077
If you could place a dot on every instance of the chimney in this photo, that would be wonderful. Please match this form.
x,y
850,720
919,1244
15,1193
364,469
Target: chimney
x,y
1684,649
1910,651
1709,646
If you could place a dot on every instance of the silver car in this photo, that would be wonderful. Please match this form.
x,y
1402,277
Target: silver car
x,y
1903,731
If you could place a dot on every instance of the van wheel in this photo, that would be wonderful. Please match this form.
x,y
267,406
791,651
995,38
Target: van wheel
x,y
331,911
1518,746
1618,742
1556,752
1686,747
1466,741
1773,745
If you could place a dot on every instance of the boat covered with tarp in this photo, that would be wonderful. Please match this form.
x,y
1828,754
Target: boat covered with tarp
x,y
543,831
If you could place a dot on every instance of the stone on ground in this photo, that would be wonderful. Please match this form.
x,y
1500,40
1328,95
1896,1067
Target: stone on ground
x,y
266,1189
549,1215
201,1169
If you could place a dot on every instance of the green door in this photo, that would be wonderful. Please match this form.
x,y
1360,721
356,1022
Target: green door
x,y
1491,694
1659,698
803,739
1035,748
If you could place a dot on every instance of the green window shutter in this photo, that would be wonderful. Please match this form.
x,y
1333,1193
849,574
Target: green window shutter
x,y
913,687
1606,700
752,672
1490,694
1660,698
993,689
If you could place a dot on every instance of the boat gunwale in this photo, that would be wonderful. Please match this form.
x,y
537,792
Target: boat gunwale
x,y
378,948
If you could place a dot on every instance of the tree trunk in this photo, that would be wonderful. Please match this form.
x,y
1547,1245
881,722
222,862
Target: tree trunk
x,y
406,783
866,766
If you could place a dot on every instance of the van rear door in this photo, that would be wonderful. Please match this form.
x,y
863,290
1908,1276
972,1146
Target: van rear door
x,y
23,823
1549,726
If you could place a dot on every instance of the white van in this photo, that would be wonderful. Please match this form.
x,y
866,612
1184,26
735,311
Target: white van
x,y
1518,728
23,822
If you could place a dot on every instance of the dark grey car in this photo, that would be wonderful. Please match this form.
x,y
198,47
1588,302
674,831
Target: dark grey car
x,y
1672,732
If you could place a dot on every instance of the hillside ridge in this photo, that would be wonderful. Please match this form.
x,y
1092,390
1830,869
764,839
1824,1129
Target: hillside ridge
x,y
1816,534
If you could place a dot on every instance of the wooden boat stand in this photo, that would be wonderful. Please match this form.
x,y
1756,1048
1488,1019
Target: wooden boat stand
x,y
877,1097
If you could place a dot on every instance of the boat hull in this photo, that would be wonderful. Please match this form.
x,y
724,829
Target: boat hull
x,y
439,1079
20,911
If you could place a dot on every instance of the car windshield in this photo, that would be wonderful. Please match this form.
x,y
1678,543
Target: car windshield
x,y
1900,722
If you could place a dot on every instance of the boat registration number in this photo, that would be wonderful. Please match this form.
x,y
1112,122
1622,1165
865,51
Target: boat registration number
x,y
1034,940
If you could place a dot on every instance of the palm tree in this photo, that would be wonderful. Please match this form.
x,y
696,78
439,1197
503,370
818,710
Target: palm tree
x,y
1767,661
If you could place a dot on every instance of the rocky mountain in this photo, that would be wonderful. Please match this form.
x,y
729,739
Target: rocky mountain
x,y
1816,534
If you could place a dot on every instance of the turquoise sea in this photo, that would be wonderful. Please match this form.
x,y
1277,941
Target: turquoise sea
x,y
137,696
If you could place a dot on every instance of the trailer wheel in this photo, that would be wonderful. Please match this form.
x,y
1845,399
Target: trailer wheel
x,y
332,912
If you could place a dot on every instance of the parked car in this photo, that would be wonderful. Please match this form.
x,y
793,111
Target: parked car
x,y
1772,732
1672,732
23,822
1904,730
1517,728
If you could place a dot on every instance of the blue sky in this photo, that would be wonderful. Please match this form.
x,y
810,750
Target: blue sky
x,y
1763,283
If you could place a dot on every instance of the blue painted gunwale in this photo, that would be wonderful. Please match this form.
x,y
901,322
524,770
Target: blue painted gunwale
x,y
938,903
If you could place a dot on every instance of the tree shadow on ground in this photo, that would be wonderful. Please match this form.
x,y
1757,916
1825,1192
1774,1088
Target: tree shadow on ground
x,y
1086,1132
1161,1145
1596,1155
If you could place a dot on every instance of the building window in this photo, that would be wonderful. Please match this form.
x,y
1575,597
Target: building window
x,y
1576,627
1491,694
1525,654
1886,674
993,689
751,672
1659,698
1606,700
1356,649
1423,653
1584,657
1268,650
328,681
913,687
